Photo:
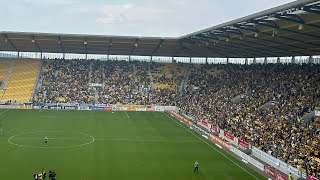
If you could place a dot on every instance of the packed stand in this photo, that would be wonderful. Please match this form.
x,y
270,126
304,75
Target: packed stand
x,y
65,81
166,80
280,129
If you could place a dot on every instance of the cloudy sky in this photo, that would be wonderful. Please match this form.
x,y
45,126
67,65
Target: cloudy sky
x,y
161,18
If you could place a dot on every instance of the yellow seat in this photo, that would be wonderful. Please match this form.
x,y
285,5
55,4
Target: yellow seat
x,y
21,81
4,66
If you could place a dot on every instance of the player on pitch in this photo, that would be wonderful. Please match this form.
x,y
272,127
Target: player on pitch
x,y
196,167
46,141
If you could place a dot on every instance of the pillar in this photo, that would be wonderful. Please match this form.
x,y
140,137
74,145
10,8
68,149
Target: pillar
x,y
293,60
254,61
311,60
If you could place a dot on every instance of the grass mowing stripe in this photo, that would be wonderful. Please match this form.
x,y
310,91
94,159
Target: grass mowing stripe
x,y
212,147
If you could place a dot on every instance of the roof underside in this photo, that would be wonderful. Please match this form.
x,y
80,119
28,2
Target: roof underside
x,y
289,30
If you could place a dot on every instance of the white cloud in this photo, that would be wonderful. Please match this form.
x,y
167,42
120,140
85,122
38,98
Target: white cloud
x,y
50,2
131,14
125,17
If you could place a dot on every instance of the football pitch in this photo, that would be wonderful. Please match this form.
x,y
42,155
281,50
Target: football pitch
x,y
101,145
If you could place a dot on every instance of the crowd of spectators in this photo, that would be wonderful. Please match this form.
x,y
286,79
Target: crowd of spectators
x,y
65,81
167,74
166,78
99,82
263,104
292,91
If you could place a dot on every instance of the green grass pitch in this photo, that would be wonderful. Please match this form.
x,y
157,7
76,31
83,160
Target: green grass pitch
x,y
100,145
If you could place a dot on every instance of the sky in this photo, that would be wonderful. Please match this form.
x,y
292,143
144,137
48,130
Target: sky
x,y
159,18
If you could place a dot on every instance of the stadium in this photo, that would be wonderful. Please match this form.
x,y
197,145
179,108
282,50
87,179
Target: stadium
x,y
239,100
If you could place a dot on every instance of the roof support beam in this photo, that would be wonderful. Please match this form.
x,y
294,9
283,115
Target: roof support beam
x,y
135,45
184,47
308,9
259,44
10,42
223,50
85,43
109,46
36,44
266,23
157,47
219,52
265,52
293,31
61,45
298,47
300,21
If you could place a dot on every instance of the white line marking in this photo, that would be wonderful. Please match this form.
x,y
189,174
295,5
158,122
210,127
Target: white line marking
x,y
127,114
91,140
103,139
9,130
4,111
150,140
212,147
218,145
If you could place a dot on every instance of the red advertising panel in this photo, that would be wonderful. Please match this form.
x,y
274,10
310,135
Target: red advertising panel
x,y
131,109
107,108
229,136
243,144
198,120
181,118
150,109
205,123
213,127
220,141
311,178
274,173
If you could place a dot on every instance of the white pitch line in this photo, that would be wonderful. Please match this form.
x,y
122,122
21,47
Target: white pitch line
x,y
127,114
212,147
102,139
150,140
4,111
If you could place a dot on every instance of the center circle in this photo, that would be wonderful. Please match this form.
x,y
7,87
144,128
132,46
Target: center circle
x,y
56,139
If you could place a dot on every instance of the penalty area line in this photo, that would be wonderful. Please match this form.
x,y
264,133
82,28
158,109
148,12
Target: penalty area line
x,y
212,147
127,114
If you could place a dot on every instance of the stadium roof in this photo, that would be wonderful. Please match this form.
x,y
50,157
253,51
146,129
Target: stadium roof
x,y
292,29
